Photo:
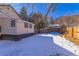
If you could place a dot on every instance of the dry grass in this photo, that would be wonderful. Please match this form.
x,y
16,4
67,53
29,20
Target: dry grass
x,y
73,38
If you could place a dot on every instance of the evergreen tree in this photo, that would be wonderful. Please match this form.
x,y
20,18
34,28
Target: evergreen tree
x,y
30,17
23,13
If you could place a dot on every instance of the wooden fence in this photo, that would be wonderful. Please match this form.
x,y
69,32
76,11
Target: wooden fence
x,y
72,34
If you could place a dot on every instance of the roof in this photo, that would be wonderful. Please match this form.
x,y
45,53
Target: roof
x,y
14,11
55,26
19,15
4,4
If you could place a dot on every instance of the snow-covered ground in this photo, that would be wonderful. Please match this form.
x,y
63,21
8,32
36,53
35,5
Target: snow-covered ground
x,y
37,45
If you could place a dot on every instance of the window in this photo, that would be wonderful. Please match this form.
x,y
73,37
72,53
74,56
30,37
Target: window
x,y
0,28
12,23
26,25
30,25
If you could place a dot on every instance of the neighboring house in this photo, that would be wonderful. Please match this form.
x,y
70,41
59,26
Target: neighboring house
x,y
11,24
54,28
51,28
57,28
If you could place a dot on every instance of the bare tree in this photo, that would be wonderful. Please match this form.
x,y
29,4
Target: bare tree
x,y
51,6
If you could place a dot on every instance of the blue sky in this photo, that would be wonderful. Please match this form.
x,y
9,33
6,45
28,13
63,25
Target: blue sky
x,y
61,9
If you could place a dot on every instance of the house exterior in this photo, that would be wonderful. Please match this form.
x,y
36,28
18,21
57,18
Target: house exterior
x,y
57,28
11,24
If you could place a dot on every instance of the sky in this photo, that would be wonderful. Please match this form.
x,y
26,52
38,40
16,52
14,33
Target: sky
x,y
62,9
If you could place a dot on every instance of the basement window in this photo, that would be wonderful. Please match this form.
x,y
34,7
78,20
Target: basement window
x,y
12,23
26,25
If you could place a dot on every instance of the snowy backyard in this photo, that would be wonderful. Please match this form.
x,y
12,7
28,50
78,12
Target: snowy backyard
x,y
36,45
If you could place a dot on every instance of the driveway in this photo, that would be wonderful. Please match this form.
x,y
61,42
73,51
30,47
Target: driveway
x,y
37,45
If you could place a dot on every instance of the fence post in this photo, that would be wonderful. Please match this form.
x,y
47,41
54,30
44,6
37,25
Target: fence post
x,y
72,32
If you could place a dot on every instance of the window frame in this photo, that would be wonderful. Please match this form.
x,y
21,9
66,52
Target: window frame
x,y
25,25
30,25
0,29
13,23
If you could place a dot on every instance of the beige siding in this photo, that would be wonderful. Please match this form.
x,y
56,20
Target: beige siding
x,y
8,15
18,29
7,29
0,25
22,30
9,12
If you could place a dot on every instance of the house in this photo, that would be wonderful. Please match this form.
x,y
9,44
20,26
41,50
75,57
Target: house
x,y
56,28
11,25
